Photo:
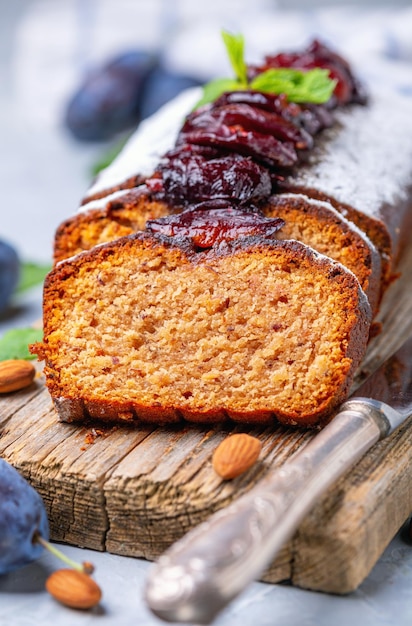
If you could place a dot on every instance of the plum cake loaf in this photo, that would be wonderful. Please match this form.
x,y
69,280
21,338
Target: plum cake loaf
x,y
219,268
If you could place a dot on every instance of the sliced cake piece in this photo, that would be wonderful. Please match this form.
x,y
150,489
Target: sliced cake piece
x,y
103,220
150,329
322,227
314,223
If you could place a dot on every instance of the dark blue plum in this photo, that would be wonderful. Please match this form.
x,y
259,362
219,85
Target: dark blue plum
x,y
22,515
9,273
162,86
108,101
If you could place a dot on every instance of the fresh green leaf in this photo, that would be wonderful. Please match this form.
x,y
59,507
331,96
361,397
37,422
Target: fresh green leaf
x,y
14,343
279,80
313,86
319,85
32,274
235,47
214,89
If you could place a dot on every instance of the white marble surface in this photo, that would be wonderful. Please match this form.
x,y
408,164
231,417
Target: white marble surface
x,y
43,173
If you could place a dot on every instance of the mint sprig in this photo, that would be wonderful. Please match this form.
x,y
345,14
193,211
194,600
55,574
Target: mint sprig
x,y
32,274
14,344
312,86
235,48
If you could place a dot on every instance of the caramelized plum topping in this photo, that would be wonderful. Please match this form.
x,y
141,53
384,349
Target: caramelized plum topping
x,y
304,117
249,118
186,176
264,148
268,102
238,148
212,223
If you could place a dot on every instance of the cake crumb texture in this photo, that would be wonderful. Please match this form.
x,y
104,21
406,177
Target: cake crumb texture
x,y
253,331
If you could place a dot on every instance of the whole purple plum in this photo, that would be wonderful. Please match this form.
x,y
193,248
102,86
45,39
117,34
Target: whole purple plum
x,y
108,100
22,515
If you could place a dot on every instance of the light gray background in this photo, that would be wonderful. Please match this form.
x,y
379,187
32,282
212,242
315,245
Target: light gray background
x,y
45,45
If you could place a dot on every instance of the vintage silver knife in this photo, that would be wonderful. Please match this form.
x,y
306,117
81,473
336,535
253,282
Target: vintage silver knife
x,y
200,574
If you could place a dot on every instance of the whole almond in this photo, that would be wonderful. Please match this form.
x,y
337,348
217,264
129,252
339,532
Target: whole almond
x,y
74,589
236,454
16,374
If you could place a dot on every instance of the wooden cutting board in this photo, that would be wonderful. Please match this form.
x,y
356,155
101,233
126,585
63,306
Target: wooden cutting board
x,y
134,491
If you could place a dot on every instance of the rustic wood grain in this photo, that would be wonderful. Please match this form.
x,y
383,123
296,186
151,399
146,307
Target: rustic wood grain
x,y
133,491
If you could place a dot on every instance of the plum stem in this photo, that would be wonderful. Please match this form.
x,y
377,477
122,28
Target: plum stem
x,y
85,567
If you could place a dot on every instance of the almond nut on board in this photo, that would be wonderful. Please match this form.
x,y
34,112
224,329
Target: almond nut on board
x,y
236,454
74,589
16,374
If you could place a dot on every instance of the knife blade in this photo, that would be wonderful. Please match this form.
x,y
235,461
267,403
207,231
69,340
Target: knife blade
x,y
212,564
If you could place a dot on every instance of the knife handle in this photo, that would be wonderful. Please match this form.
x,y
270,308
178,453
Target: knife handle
x,y
200,574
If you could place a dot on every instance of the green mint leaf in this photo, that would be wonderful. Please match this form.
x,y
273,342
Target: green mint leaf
x,y
319,85
14,343
235,47
214,89
31,274
313,86
279,80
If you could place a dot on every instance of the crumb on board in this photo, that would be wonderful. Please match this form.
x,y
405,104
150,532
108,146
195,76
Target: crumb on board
x,y
94,433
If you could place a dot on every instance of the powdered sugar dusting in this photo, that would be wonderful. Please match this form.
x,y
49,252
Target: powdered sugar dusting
x,y
366,160
101,203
